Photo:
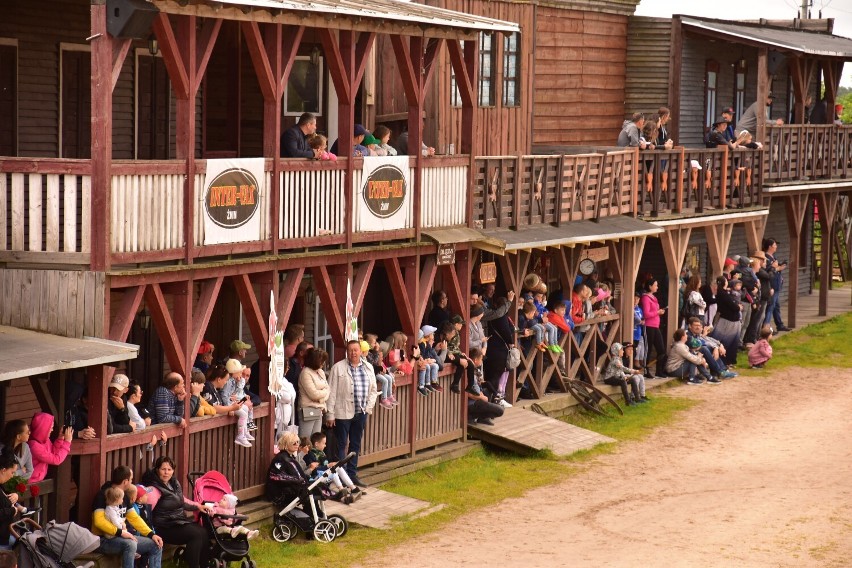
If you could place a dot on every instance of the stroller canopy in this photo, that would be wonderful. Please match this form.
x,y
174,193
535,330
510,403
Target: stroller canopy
x,y
210,487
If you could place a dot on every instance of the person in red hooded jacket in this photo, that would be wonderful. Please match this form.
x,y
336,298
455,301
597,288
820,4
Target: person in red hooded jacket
x,y
44,451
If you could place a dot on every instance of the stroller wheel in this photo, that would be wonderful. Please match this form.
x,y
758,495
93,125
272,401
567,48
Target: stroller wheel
x,y
325,531
246,563
178,556
340,525
284,530
218,563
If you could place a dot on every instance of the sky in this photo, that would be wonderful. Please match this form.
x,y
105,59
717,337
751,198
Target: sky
x,y
840,10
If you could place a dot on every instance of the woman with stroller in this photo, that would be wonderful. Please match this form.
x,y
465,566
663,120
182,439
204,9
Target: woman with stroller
x,y
285,479
169,514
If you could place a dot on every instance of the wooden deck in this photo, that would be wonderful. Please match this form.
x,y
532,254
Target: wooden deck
x,y
807,308
523,431
377,509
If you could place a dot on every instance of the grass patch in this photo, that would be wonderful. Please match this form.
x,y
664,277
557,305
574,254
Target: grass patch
x,y
637,422
821,345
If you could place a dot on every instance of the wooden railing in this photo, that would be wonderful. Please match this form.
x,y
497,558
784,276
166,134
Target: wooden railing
x,y
510,191
444,194
312,200
45,210
697,179
808,152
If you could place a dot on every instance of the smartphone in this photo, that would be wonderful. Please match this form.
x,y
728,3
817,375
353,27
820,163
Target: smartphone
x,y
242,400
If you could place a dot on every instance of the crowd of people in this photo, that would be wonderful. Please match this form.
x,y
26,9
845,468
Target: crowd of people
x,y
302,141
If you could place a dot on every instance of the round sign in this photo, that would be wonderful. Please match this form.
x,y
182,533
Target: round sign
x,y
384,191
231,199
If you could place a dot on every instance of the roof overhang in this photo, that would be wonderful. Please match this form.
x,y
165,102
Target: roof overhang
x,y
570,234
816,44
27,353
460,235
390,16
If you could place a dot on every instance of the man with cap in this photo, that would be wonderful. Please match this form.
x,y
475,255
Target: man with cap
x,y
204,357
358,149
718,136
748,121
118,420
114,540
352,395
728,114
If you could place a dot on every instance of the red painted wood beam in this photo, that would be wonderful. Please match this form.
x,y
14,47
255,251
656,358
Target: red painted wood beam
x,y
203,311
328,297
362,55
254,315
452,286
161,316
433,48
426,280
288,291
206,41
120,326
260,58
337,65
464,80
292,39
402,295
360,283
101,152
119,55
172,55
410,80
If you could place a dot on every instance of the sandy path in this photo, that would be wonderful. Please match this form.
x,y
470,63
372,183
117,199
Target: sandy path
x,y
758,474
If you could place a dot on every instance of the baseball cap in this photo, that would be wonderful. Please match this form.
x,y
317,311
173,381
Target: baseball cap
x,y
205,347
237,345
233,366
120,382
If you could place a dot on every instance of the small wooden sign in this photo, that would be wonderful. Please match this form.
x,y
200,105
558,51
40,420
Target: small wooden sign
x,y
446,254
597,254
487,272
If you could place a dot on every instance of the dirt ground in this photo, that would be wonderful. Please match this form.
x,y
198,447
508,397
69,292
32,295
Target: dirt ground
x,y
758,474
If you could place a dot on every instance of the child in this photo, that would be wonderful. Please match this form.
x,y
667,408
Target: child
x,y
227,505
616,374
396,359
229,393
638,333
320,142
114,498
761,351
627,360
479,409
198,406
427,364
384,376
551,334
138,495
316,462
454,353
241,393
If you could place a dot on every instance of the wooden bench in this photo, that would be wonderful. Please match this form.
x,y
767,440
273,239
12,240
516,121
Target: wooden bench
x,y
114,560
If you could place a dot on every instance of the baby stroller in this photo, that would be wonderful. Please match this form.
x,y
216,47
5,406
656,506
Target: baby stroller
x,y
209,488
310,516
54,546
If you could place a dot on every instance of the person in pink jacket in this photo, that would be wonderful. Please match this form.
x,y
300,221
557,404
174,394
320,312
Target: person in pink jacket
x,y
761,352
44,451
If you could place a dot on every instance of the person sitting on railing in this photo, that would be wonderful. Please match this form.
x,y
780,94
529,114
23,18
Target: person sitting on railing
x,y
383,134
556,317
631,132
748,121
384,376
529,328
358,149
439,312
319,144
166,405
428,365
294,140
46,453
454,353
198,405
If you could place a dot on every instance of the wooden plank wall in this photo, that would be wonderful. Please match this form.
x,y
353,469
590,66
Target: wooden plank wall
x,y
69,303
648,56
696,51
580,67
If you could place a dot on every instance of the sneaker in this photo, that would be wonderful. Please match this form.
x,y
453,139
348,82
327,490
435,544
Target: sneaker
x,y
757,366
242,441
251,425
785,328
249,437
629,403
504,404
714,381
386,403
423,391
455,387
641,400
645,399
252,534
437,388
727,375
542,347
357,481
429,387
485,422
555,349
393,400
695,381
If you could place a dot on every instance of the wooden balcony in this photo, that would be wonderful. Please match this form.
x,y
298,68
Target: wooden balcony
x,y
804,152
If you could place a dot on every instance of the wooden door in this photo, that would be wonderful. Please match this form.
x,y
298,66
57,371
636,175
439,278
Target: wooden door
x,y
152,109
8,100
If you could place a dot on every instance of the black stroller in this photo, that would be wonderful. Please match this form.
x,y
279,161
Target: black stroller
x,y
209,488
54,546
309,517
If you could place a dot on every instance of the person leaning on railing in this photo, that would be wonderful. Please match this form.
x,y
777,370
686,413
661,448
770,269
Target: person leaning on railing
x,y
748,121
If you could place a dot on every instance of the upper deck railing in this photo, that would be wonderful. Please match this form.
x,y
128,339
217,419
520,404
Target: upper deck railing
x,y
805,152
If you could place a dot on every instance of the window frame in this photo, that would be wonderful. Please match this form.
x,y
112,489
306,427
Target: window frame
x,y
710,93
489,55
145,52
320,87
511,83
13,43
740,68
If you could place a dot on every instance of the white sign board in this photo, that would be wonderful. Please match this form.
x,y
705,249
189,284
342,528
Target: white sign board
x,y
230,200
384,196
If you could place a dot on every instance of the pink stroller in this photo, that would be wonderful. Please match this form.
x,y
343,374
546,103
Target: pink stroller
x,y
209,488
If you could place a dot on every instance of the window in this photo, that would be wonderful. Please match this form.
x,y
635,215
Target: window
x,y
8,97
304,87
710,79
75,109
455,94
739,89
487,63
511,71
152,107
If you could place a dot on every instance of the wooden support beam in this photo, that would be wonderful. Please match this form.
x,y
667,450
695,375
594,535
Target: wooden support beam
x,y
251,309
203,310
754,229
162,318
288,291
337,66
101,138
718,242
119,328
119,55
403,293
206,41
360,283
796,207
763,88
827,204
675,67
674,241
173,55
260,59
457,298
362,55
427,278
325,286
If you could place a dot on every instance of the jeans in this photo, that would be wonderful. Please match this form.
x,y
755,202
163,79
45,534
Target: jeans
x,y
716,366
127,549
387,383
687,371
429,375
349,432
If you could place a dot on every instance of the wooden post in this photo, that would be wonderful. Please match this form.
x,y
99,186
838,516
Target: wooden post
x,y
674,241
93,466
102,66
827,203
718,242
762,92
796,206
465,65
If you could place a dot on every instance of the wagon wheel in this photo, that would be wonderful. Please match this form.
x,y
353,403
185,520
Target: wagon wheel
x,y
589,396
